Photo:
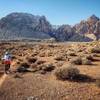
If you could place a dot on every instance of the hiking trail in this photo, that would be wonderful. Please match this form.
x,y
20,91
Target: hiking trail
x,y
4,76
2,79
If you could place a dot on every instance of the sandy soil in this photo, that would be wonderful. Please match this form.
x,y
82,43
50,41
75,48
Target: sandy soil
x,y
37,86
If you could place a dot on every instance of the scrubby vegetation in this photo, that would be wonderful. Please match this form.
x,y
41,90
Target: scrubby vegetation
x,y
66,73
77,61
39,62
48,67
98,82
23,67
86,62
90,57
95,50
81,61
49,70
31,59
59,58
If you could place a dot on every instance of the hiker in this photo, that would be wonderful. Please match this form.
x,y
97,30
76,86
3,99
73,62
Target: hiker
x,y
7,61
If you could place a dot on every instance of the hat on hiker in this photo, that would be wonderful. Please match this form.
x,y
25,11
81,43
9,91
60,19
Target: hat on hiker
x,y
6,53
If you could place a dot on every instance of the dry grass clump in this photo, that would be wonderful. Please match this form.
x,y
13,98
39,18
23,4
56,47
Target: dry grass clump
x,y
14,57
23,67
66,73
39,62
45,68
76,61
34,65
90,57
86,62
72,54
31,59
95,50
59,58
81,61
96,55
48,67
18,62
48,54
25,64
42,69
42,54
98,82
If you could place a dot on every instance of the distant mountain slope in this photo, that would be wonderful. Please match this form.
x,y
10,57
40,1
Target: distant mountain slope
x,y
24,25
67,33
90,26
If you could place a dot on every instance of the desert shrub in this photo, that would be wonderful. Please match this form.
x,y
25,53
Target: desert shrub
x,y
72,54
96,55
39,67
59,64
32,60
98,82
42,54
39,62
25,65
34,65
48,67
77,61
18,62
66,73
59,58
17,76
42,72
86,62
13,57
89,57
35,54
95,50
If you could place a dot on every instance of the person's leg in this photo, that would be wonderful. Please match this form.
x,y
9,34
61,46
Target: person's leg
x,y
7,68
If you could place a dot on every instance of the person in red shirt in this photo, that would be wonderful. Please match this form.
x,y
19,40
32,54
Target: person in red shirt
x,y
7,61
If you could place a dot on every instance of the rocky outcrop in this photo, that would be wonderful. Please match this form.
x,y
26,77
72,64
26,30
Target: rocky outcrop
x,y
68,33
23,25
28,26
90,26
64,32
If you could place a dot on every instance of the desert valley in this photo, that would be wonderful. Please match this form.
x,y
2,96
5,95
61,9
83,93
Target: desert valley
x,y
51,71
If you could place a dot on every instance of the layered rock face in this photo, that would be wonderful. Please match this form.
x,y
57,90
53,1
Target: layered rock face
x,y
88,27
24,25
64,32
68,33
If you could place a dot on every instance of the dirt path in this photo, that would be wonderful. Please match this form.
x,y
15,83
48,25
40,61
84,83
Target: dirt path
x,y
2,79
4,76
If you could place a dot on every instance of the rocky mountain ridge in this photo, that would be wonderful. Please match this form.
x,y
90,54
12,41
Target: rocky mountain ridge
x,y
24,25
